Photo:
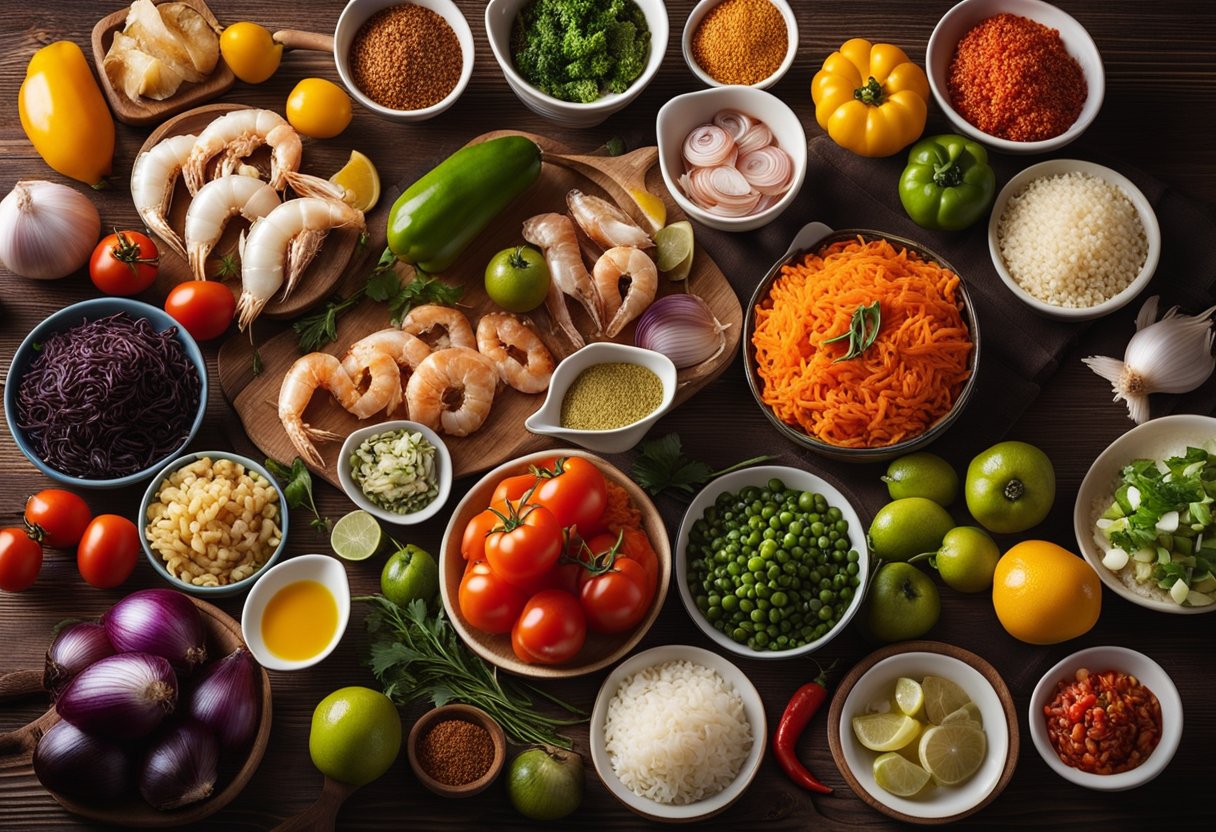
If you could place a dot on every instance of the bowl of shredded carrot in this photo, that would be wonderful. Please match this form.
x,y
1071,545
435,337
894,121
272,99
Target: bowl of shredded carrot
x,y
861,345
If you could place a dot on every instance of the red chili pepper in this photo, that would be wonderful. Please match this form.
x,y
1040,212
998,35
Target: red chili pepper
x,y
798,713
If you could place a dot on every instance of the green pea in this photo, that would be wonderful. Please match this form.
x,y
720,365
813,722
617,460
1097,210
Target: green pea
x,y
806,501
730,603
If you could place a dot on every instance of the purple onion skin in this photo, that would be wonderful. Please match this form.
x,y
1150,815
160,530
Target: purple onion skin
x,y
75,647
125,696
161,622
82,766
225,698
180,767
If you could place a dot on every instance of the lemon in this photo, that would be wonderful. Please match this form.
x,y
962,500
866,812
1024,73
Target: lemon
x,y
942,697
674,250
1044,594
357,536
652,206
898,776
250,51
355,736
885,732
360,178
968,713
909,696
952,753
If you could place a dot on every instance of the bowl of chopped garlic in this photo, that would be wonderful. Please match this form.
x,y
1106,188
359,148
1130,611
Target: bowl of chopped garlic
x,y
751,43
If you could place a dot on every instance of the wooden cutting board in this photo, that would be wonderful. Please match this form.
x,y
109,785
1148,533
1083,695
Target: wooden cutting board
x,y
503,436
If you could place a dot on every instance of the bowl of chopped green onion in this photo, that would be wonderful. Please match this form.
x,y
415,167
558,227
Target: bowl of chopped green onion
x,y
398,471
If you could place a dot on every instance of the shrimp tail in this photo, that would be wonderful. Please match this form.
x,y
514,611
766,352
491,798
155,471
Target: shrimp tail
x,y
307,185
303,436
303,248
198,262
248,308
159,226
555,304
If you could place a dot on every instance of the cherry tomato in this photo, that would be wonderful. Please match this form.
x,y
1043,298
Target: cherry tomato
x,y
20,560
574,490
527,546
124,263
60,515
487,601
513,488
108,551
551,629
473,543
204,307
615,601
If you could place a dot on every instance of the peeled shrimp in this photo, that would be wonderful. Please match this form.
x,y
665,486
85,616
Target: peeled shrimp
x,y
627,281
152,179
452,390
554,235
522,359
320,369
440,327
605,223
238,134
406,350
216,202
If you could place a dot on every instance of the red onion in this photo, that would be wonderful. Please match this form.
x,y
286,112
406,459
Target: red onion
x,y
757,136
81,766
161,622
124,696
75,647
735,123
707,146
682,327
180,768
768,170
226,698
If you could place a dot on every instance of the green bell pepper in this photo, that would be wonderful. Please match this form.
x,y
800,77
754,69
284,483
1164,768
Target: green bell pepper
x,y
947,184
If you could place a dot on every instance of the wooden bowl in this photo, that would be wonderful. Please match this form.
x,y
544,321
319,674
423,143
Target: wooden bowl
x,y
464,713
600,650
148,111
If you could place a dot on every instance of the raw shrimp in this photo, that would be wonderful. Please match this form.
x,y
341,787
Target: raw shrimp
x,y
627,281
217,202
554,235
406,350
152,179
440,327
320,369
605,223
452,390
238,134
522,359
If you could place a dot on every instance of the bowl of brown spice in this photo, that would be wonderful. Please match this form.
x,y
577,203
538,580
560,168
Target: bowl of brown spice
x,y
456,750
749,43
405,62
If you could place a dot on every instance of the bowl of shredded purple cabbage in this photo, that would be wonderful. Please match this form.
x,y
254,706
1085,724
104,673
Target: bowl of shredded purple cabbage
x,y
103,392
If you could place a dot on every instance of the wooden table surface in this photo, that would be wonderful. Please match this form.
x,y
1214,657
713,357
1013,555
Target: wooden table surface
x,y
1161,93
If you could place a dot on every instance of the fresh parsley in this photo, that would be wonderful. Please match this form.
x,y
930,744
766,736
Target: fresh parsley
x,y
226,265
662,466
297,488
863,329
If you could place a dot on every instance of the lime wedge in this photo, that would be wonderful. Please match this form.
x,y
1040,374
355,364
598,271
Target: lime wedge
x,y
952,753
674,247
941,697
885,732
360,178
898,776
356,536
968,713
909,696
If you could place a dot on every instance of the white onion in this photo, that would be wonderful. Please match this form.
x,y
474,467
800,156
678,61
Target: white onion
x,y
47,230
768,169
707,146
683,328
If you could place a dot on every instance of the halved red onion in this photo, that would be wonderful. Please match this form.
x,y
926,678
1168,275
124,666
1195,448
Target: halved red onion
x,y
735,123
768,169
707,146
756,137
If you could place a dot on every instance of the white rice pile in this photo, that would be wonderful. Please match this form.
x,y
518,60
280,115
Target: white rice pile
x,y
676,733
1072,240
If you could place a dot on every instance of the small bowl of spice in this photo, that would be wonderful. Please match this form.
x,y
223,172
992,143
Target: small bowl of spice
x,y
398,471
750,43
606,396
404,61
456,750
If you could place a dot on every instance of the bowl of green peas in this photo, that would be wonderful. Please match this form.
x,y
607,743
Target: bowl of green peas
x,y
771,562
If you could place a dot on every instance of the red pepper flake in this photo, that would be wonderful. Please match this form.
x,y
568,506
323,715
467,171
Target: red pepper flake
x,y
1103,723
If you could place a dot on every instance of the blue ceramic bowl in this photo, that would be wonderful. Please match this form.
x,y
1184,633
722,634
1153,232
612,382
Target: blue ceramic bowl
x,y
72,316
159,564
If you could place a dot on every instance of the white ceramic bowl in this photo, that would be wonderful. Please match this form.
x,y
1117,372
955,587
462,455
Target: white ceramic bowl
x,y
682,114
547,420
500,18
752,705
1099,659
1054,167
960,19
705,7
759,476
443,472
1166,436
357,13
320,568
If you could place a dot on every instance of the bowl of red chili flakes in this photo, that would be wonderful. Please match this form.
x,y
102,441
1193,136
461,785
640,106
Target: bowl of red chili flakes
x,y
1106,718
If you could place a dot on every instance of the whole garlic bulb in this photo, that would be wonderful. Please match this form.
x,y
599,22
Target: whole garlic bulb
x,y
47,230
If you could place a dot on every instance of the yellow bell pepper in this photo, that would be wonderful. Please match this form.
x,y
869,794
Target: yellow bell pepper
x,y
870,98
65,116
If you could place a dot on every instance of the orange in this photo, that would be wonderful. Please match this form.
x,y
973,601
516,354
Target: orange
x,y
1044,594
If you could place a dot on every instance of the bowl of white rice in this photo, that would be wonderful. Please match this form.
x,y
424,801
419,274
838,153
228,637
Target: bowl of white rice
x,y
677,733
1073,240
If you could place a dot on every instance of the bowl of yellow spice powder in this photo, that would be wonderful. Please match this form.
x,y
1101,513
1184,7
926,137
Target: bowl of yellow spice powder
x,y
606,396
749,43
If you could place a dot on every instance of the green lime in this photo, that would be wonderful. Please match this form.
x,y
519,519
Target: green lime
x,y
967,559
952,753
673,246
355,736
908,527
922,475
899,776
356,536
408,574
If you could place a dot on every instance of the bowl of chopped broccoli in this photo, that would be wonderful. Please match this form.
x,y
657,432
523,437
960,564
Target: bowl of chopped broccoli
x,y
576,62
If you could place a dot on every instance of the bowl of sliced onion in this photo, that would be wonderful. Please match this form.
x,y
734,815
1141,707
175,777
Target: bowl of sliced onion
x,y
733,158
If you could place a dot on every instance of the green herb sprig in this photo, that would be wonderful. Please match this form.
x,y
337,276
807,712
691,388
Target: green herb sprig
x,y
662,466
863,329
297,488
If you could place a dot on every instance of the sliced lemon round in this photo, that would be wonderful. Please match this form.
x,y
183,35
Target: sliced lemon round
x,y
361,180
952,753
900,777
673,246
909,695
941,697
885,732
968,713
357,536
652,206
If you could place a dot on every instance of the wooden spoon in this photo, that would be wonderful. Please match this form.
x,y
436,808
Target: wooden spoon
x,y
323,814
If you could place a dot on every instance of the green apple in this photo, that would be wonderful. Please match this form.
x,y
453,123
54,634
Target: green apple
x,y
1010,487
967,559
903,603
410,573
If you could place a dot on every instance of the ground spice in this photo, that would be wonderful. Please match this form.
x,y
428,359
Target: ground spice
x,y
456,752
741,41
611,395
1012,78
406,58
